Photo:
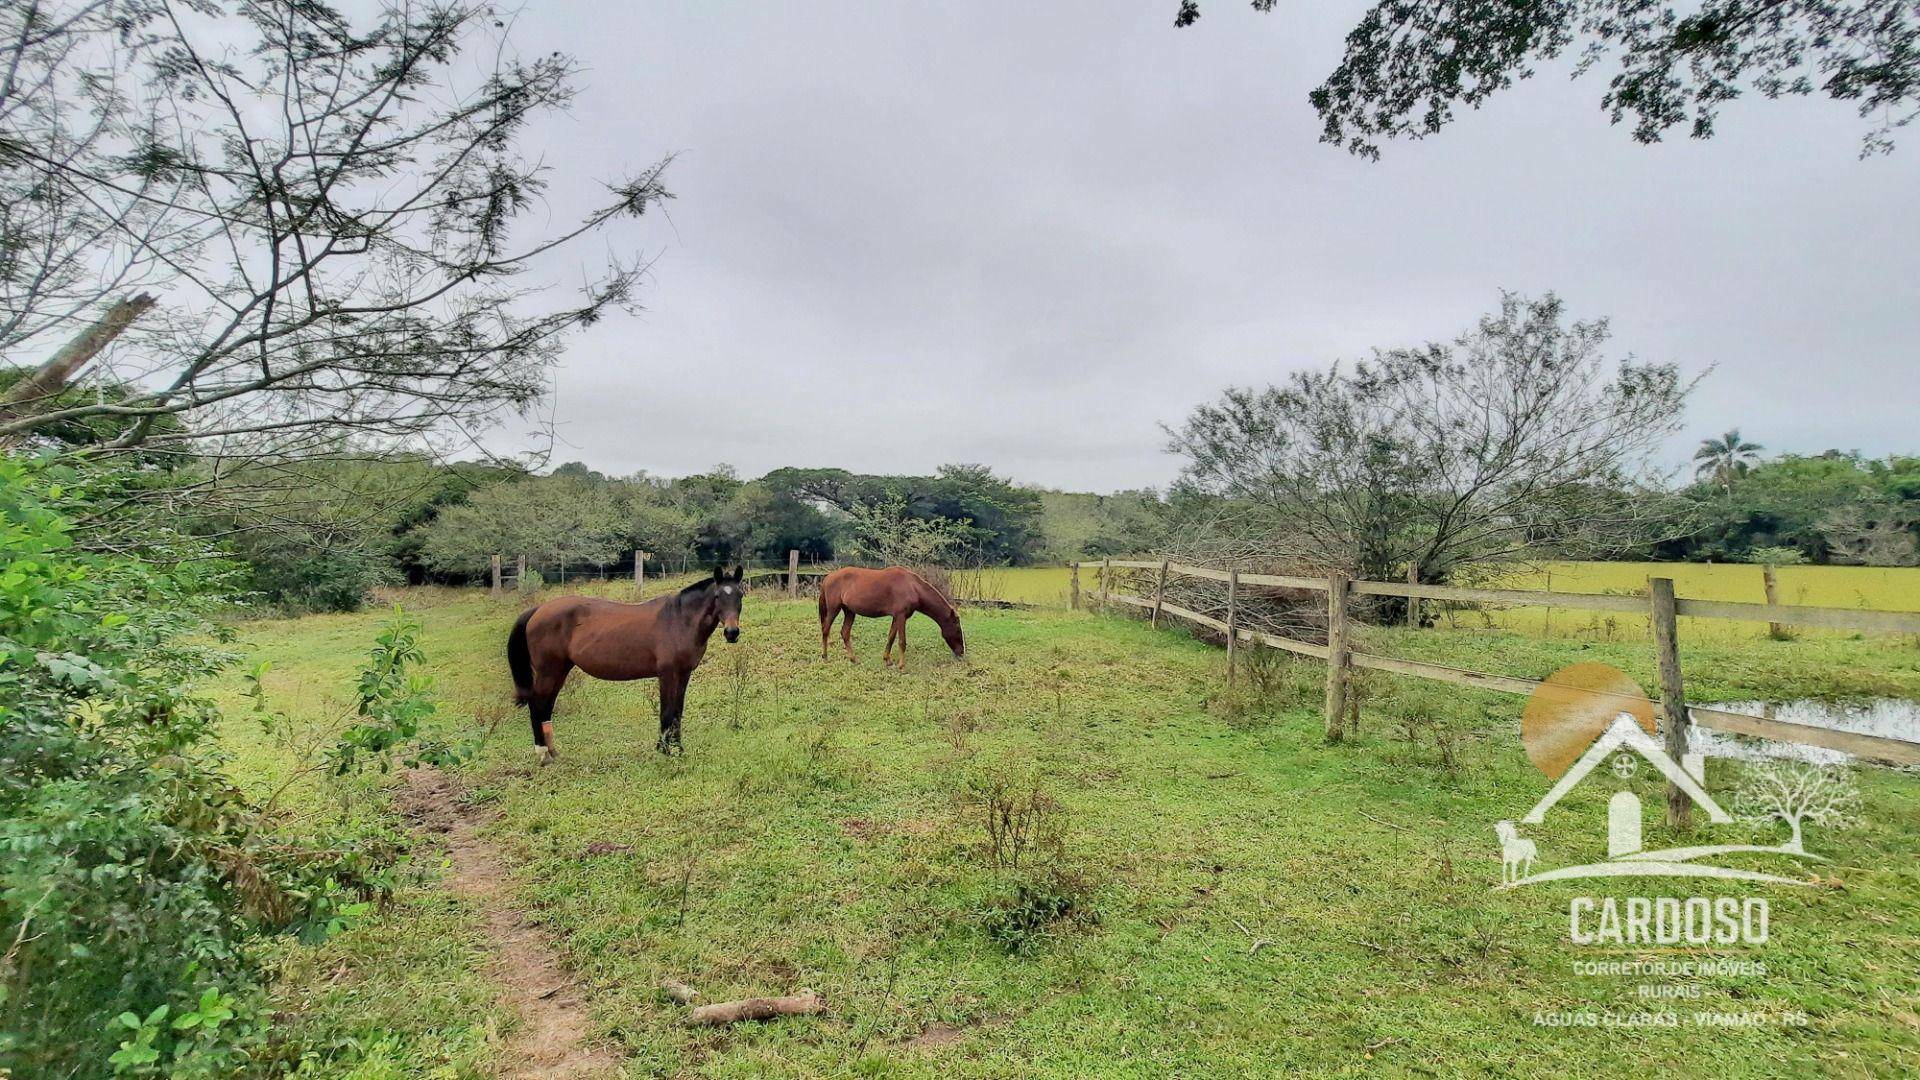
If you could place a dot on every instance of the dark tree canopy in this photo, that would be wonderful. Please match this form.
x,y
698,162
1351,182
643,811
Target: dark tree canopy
x,y
1410,63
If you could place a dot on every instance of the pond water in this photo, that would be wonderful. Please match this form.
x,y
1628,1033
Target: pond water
x,y
1888,717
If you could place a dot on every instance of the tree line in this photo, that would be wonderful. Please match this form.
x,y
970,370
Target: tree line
x,y
1519,439
320,534
1836,507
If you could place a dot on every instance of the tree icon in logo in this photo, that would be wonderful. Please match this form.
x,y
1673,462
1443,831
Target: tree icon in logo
x,y
1797,793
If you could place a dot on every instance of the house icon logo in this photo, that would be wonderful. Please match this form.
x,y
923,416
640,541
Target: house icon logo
x,y
1588,722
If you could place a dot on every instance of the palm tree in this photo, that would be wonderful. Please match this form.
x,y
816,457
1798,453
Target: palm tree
x,y
1724,458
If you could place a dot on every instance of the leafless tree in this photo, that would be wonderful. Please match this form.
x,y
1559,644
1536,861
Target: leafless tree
x,y
1518,439
331,216
1879,532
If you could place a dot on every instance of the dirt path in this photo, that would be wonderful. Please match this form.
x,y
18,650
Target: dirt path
x,y
551,1042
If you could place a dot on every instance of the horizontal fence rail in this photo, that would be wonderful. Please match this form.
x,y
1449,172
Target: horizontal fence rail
x,y
1639,605
1884,622
1872,747
1830,618
1338,656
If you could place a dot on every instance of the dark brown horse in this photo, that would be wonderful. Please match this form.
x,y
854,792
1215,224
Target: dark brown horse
x,y
896,592
663,639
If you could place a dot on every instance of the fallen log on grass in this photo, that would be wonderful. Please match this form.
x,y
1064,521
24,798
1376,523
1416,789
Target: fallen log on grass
x,y
760,1008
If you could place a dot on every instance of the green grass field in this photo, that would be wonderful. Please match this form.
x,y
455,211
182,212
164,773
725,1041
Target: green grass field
x,y
1872,587
826,830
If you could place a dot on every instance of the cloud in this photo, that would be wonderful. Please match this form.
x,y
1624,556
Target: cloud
x,y
907,236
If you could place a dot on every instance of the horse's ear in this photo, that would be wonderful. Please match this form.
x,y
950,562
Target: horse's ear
x,y
719,571
739,571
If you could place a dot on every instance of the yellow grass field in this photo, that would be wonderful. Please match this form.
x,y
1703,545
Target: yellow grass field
x,y
1872,587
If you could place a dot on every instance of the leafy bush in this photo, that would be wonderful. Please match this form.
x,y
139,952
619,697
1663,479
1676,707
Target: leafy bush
x,y
1035,888
562,519
296,577
886,533
135,880
1030,905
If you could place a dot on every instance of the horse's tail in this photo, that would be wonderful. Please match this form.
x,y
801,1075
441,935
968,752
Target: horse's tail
x,y
520,659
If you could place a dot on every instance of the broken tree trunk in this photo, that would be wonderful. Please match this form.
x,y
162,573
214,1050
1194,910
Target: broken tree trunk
x,y
53,376
763,1008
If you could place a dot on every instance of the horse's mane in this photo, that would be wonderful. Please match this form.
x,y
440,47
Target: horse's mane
x,y
701,587
934,590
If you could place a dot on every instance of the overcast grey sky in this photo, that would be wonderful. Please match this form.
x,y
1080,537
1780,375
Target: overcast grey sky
x,y
1025,235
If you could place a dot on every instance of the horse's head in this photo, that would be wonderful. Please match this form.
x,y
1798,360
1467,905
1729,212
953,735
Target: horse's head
x,y
728,590
951,631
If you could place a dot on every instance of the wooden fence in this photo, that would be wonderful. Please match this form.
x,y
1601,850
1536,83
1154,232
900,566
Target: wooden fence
x,y
793,572
502,579
1660,606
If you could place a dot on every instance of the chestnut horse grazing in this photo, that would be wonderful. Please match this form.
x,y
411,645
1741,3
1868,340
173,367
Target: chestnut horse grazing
x,y
896,592
663,639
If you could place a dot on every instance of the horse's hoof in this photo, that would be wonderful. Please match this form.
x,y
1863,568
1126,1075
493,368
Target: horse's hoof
x,y
546,755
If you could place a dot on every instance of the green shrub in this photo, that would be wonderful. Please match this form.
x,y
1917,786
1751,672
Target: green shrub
x,y
1034,888
296,578
1030,905
135,880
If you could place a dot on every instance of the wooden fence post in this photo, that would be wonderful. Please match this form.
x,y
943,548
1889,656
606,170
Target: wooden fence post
x,y
1673,696
1337,656
1413,602
1159,594
496,576
639,569
793,572
520,575
1106,574
1774,629
1233,621
1073,589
